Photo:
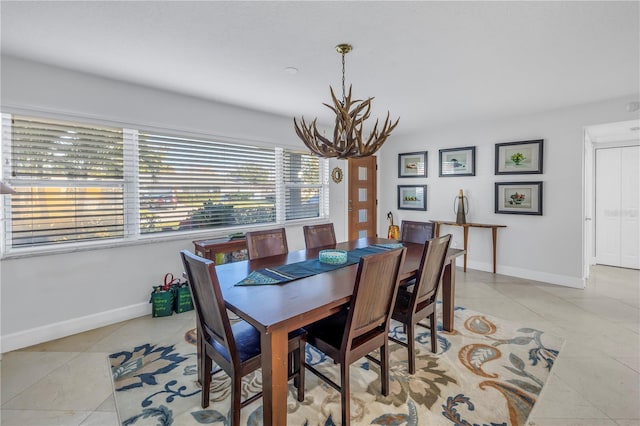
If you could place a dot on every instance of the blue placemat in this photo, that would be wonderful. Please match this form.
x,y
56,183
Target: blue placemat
x,y
307,268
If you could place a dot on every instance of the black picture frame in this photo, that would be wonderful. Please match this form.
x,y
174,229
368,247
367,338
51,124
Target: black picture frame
x,y
457,161
519,198
412,164
412,197
519,158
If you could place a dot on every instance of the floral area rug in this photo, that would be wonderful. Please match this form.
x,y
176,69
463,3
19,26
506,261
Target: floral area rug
x,y
487,372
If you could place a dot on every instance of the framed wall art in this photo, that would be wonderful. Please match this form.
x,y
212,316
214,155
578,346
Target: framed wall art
x,y
519,198
519,157
412,164
412,197
458,161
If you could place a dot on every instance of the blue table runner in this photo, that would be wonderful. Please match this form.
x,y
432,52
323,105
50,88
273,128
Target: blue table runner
x,y
285,273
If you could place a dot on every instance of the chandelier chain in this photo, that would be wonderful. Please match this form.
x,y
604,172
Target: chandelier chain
x,y
343,85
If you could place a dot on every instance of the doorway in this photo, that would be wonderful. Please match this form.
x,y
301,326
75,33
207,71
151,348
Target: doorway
x,y
612,193
362,192
617,201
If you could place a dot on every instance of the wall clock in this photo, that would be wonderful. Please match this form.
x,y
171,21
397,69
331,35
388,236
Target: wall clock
x,y
336,174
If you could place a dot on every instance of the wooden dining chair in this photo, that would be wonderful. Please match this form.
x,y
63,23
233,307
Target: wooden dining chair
x,y
319,235
418,303
270,242
416,232
355,332
235,348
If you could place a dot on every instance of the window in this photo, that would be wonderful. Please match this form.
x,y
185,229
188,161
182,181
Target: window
x,y
193,184
69,180
302,185
81,182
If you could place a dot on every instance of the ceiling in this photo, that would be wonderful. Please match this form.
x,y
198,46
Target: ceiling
x,y
429,63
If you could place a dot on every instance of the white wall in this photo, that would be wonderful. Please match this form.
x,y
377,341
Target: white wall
x,y
49,296
46,297
546,248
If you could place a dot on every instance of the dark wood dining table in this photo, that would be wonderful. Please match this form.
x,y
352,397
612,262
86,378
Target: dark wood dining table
x,y
277,309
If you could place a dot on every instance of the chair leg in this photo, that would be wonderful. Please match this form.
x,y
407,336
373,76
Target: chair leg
x,y
411,347
236,394
206,364
384,368
434,337
299,362
291,367
345,393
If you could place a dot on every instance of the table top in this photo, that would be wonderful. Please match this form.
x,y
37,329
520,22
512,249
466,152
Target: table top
x,y
470,224
297,303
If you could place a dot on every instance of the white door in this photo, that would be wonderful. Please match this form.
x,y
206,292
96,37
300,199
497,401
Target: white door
x,y
617,206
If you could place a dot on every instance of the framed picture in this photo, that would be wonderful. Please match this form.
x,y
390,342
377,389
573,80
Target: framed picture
x,y
412,197
519,157
412,164
519,198
458,161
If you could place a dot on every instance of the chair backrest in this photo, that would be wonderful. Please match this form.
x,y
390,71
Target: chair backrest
x,y
430,271
416,232
319,235
208,302
270,242
374,294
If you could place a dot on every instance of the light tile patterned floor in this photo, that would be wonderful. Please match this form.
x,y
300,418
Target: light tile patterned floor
x,y
596,380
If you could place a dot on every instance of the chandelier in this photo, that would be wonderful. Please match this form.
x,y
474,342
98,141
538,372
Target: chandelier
x,y
348,140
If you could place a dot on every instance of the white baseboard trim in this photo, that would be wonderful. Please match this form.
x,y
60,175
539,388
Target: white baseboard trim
x,y
23,339
528,274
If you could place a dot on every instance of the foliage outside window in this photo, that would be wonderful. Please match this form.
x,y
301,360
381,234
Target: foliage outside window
x,y
80,182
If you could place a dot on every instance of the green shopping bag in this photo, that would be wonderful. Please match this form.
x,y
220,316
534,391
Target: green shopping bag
x,y
162,298
182,298
161,302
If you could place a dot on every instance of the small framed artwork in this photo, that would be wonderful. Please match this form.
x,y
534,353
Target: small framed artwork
x,y
412,197
458,161
412,164
519,157
519,198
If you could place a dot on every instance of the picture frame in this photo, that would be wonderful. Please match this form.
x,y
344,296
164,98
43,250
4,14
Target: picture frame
x,y
458,161
412,164
518,198
514,158
412,197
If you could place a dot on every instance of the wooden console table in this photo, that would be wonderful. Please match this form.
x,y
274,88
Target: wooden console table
x,y
209,248
466,226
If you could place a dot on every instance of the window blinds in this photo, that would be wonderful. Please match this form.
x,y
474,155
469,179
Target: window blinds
x,y
69,181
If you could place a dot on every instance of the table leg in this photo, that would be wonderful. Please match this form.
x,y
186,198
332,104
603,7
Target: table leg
x,y
466,240
448,295
274,377
494,232
437,230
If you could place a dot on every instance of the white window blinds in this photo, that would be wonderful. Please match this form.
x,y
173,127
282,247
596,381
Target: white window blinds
x,y
302,185
69,181
191,183
79,182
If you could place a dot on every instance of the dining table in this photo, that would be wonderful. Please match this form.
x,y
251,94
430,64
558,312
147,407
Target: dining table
x,y
277,309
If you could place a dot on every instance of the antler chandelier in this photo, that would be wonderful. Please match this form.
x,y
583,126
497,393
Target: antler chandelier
x,y
348,140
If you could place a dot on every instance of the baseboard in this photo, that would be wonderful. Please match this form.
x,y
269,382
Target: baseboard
x,y
33,336
23,339
528,274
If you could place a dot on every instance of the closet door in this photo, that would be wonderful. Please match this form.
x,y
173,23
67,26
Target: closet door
x,y
630,207
617,207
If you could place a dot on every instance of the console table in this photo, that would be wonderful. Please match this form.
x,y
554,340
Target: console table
x,y
209,248
465,227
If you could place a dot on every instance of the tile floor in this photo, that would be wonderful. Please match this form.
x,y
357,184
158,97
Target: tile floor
x,y
596,380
